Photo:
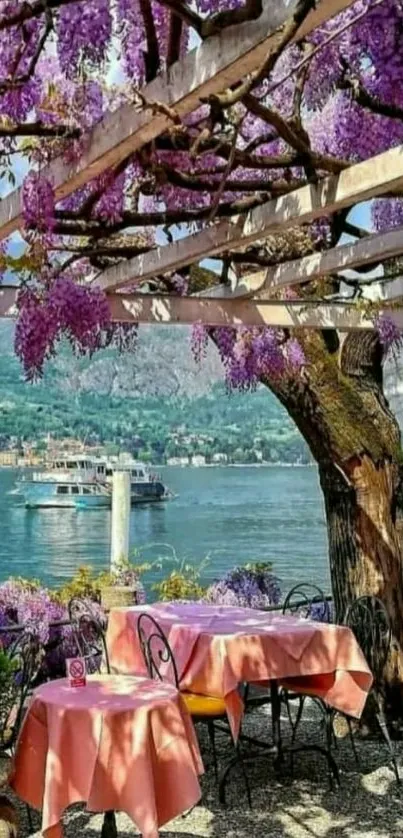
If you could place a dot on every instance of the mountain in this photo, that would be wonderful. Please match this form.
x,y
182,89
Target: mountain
x,y
156,402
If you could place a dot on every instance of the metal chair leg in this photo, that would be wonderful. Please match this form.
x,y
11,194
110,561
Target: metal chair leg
x,y
109,828
29,818
301,704
329,717
384,728
245,776
211,733
276,720
352,740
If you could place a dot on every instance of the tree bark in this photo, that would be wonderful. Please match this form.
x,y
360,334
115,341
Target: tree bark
x,y
339,406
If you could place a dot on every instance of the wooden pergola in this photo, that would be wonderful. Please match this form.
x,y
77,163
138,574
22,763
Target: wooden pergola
x,y
218,63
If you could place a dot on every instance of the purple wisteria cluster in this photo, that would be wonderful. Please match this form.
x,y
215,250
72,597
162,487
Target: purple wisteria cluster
x,y
250,354
252,586
390,336
64,308
38,203
84,32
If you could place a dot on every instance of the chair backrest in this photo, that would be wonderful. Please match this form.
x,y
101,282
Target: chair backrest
x,y
89,634
368,619
25,657
307,600
157,653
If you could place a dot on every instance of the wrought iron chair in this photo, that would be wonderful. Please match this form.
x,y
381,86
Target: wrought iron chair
x,y
25,656
89,635
304,600
368,619
161,665
307,600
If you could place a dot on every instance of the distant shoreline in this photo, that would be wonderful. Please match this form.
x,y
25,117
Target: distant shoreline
x,y
240,465
189,465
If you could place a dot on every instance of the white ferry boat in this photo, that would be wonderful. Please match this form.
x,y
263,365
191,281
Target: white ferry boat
x,y
146,487
65,482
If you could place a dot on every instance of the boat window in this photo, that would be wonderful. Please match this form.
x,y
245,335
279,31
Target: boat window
x,y
86,491
70,464
74,490
109,472
62,490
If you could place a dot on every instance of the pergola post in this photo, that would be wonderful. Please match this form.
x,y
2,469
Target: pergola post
x,y
120,524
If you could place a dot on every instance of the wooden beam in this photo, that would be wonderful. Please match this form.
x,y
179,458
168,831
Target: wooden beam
x,y
365,180
366,251
8,296
167,310
217,64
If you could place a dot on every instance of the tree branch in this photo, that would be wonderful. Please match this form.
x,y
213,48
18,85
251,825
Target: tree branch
x,y
29,11
231,97
174,39
19,81
186,14
152,56
366,100
39,129
71,224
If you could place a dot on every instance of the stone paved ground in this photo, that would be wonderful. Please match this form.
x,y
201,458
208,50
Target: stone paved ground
x,y
367,805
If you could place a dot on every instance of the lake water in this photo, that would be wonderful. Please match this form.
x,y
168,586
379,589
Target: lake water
x,y
234,515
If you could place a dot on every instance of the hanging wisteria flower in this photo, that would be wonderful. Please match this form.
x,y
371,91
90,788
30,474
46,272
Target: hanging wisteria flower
x,y
180,284
64,308
84,31
250,355
199,342
390,336
38,203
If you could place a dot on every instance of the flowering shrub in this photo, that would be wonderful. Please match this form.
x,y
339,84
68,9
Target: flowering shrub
x,y
321,612
251,586
29,604
86,585
179,586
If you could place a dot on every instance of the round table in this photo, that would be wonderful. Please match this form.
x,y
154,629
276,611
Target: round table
x,y
121,743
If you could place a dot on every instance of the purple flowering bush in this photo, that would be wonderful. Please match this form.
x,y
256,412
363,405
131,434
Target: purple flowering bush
x,y
251,586
321,612
37,608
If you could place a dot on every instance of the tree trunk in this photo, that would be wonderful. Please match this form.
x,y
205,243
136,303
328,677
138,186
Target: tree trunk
x,y
339,406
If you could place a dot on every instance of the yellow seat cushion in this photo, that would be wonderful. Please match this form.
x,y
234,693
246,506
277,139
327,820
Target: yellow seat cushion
x,y
204,705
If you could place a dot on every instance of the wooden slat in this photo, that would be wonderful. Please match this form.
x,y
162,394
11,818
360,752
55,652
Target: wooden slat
x,y
365,180
218,63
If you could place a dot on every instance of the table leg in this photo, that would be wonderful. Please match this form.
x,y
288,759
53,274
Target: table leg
x,y
109,829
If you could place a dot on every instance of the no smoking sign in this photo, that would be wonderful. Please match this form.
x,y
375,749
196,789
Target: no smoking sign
x,y
76,672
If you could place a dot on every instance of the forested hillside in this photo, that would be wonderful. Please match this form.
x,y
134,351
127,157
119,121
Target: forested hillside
x,y
156,402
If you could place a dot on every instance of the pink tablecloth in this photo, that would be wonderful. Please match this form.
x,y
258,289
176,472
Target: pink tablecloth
x,y
120,743
216,648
